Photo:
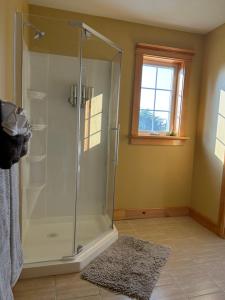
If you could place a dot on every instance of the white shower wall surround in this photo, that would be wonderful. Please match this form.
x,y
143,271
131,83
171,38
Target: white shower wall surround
x,y
54,75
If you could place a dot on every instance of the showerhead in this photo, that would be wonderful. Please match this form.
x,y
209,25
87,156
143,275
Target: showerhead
x,y
38,33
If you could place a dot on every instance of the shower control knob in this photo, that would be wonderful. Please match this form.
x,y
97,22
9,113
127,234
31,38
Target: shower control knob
x,y
73,95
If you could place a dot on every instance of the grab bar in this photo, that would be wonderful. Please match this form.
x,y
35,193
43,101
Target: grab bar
x,y
116,149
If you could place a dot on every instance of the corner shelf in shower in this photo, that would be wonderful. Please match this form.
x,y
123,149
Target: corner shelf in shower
x,y
35,187
38,95
39,127
36,158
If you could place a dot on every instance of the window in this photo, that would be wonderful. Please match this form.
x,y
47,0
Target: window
x,y
159,95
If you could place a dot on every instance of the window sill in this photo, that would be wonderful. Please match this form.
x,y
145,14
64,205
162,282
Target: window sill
x,y
158,140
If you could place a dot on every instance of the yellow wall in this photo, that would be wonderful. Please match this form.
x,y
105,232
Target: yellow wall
x,y
7,10
154,176
148,176
211,132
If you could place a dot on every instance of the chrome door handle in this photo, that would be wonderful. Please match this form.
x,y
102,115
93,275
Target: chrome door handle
x,y
116,147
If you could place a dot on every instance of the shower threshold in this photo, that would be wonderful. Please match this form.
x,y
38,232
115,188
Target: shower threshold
x,y
74,264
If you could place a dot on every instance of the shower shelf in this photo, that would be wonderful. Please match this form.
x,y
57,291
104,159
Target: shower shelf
x,y
36,158
35,187
39,127
32,94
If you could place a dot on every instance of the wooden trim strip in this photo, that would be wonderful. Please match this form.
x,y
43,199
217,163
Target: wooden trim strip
x,y
136,94
162,137
204,221
128,214
158,140
165,48
181,58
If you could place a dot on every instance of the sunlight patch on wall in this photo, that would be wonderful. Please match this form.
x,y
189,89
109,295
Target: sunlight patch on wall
x,y
93,122
220,132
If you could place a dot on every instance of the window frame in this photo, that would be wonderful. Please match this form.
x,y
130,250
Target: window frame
x,y
160,55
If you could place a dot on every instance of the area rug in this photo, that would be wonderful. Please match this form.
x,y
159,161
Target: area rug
x,y
129,266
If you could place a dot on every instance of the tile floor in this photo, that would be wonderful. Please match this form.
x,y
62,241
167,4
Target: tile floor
x,y
195,270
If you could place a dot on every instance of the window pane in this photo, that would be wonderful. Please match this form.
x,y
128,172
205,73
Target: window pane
x,y
163,100
147,99
165,78
161,121
148,76
145,120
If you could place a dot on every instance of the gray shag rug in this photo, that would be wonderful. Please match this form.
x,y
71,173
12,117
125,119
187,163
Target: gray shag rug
x,y
129,266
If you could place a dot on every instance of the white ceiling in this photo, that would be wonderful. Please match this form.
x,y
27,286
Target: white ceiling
x,y
199,16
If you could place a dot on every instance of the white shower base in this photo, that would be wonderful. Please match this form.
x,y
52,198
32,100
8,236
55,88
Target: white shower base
x,y
53,238
47,244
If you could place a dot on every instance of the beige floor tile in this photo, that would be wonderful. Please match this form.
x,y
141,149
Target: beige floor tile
x,y
165,279
72,287
109,295
217,296
89,298
122,225
127,232
35,289
195,269
106,292
168,292
220,283
200,287
35,295
37,284
116,297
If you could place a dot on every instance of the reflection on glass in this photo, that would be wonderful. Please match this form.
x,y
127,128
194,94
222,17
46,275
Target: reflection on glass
x,y
165,78
147,99
93,122
163,100
148,76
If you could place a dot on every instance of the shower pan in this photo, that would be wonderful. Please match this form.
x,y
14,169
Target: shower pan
x,y
67,78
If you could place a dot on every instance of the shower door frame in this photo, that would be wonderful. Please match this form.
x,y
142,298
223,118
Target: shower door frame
x,y
85,28
18,95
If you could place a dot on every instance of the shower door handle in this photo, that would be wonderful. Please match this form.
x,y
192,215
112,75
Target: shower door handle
x,y
116,147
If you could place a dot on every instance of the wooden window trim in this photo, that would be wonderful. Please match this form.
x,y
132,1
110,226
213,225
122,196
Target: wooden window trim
x,y
181,58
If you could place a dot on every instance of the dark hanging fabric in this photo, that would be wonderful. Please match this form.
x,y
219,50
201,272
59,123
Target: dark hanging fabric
x,y
12,148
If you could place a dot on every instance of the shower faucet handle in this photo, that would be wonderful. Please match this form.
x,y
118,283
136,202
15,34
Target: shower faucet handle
x,y
73,95
87,94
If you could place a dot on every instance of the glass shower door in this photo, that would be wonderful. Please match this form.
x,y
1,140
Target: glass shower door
x,y
99,138
51,68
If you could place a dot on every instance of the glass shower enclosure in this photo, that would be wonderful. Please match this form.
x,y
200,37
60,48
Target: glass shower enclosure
x,y
70,90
